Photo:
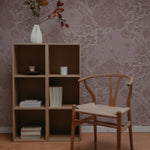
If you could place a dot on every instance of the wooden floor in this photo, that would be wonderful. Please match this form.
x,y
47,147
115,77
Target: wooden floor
x,y
106,141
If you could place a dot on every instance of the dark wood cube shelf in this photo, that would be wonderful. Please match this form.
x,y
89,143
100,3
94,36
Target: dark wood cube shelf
x,y
47,59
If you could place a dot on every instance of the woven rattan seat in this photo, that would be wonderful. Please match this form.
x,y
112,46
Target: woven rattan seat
x,y
102,110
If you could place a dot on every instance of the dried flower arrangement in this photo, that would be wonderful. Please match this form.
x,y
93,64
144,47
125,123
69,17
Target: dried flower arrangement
x,y
35,6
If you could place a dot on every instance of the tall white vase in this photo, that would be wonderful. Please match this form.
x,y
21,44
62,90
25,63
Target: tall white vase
x,y
36,34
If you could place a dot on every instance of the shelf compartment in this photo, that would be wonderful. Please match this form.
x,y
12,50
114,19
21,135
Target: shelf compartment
x,y
64,55
29,88
29,118
70,89
18,139
28,55
60,124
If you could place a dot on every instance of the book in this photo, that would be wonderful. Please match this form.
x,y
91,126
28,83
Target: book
x,y
30,103
29,128
60,96
30,137
31,132
51,96
55,96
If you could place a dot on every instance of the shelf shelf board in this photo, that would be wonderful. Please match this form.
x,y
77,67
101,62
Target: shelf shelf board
x,y
65,76
28,76
63,107
62,137
18,139
30,108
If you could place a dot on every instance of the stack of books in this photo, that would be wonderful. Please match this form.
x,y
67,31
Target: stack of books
x,y
30,103
55,96
31,132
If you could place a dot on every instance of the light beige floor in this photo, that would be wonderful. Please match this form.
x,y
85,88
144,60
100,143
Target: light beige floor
x,y
106,141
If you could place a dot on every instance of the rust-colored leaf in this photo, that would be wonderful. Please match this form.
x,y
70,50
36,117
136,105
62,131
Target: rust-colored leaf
x,y
55,14
45,3
42,2
59,9
49,16
59,3
67,25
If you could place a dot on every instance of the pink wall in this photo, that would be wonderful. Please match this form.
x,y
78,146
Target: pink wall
x,y
114,37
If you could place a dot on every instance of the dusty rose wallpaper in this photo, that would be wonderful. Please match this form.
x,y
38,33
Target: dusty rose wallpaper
x,y
114,36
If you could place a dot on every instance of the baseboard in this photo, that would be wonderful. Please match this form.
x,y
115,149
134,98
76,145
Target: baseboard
x,y
5,129
89,129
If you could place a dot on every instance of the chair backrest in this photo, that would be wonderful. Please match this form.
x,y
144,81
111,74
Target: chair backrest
x,y
112,97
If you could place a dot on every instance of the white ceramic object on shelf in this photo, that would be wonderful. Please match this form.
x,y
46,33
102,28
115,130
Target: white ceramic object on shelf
x,y
36,34
64,70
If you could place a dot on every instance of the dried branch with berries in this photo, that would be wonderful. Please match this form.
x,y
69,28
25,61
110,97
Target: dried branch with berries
x,y
35,6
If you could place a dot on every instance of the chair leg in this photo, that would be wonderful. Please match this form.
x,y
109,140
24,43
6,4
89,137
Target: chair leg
x,y
95,131
119,131
72,136
95,134
130,130
72,127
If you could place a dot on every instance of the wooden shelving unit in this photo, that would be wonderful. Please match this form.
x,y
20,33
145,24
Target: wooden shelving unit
x,y
48,58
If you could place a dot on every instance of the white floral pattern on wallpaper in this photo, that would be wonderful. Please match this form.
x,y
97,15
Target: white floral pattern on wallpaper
x,y
114,37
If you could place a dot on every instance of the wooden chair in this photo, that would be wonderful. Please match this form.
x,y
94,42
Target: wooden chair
x,y
94,110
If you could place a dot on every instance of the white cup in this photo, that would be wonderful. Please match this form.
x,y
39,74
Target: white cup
x,y
31,68
64,70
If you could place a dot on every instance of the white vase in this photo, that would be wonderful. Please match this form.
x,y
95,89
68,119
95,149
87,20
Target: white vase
x,y
36,34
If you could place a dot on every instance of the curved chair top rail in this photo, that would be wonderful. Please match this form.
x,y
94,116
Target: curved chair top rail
x,y
112,98
108,75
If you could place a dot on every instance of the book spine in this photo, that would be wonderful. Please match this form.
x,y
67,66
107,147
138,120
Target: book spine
x,y
30,137
51,96
54,96
57,96
61,91
31,133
